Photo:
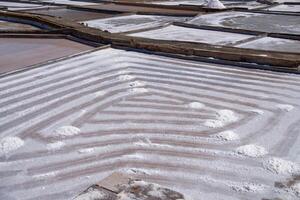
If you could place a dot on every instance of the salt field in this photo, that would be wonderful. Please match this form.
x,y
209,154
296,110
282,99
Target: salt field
x,y
133,111
149,100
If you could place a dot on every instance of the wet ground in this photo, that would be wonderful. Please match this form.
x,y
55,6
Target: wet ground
x,y
72,14
17,53
11,26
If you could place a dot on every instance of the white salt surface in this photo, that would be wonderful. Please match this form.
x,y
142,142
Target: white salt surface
x,y
281,166
55,145
285,107
227,136
252,150
274,44
196,105
9,144
223,118
131,22
66,131
285,8
178,33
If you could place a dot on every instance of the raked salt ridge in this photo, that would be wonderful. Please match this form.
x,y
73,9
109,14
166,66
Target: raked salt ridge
x,y
208,131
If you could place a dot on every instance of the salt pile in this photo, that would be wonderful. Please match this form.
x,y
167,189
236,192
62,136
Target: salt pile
x,y
248,187
227,136
138,90
223,118
55,145
99,93
125,77
124,196
92,194
44,176
66,131
296,189
9,144
196,105
87,150
216,4
257,111
285,107
136,84
251,150
281,166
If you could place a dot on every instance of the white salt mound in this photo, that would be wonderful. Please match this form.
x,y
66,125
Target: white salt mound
x,y
55,145
257,111
223,118
91,194
285,107
99,93
125,77
125,196
9,144
138,90
87,150
196,105
136,84
252,150
211,123
66,131
216,4
248,187
281,166
227,136
296,189
44,176
227,116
